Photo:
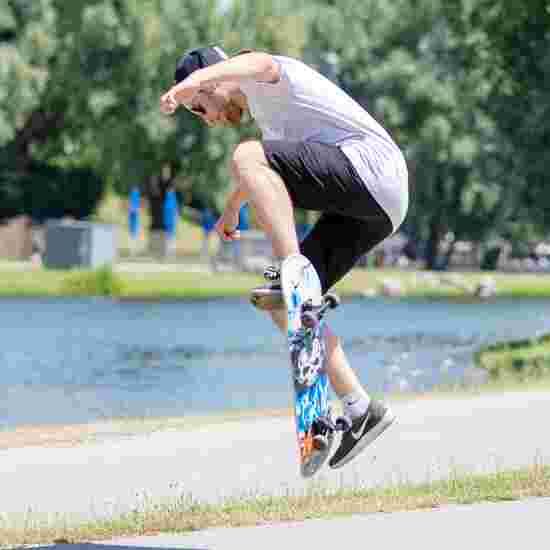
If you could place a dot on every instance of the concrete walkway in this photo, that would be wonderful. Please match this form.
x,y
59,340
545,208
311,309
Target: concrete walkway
x,y
509,525
502,526
432,439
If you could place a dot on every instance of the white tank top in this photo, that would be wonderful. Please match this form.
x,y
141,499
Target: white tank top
x,y
305,106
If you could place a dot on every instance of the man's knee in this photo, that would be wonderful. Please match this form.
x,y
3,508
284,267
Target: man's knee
x,y
247,156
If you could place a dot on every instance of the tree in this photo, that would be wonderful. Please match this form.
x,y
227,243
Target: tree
x,y
28,43
509,44
159,152
399,60
143,147
62,62
47,191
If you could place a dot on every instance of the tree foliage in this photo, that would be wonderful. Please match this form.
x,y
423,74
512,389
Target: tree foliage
x,y
398,59
509,45
47,191
460,84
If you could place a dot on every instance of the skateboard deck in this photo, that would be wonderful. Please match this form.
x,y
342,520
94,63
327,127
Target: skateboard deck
x,y
301,285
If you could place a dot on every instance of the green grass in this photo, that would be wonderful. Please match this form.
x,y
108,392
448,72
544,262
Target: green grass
x,y
186,285
135,285
184,514
525,359
144,284
39,283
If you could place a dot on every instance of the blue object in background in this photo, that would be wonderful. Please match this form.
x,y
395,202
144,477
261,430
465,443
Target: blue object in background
x,y
133,213
244,218
170,214
208,220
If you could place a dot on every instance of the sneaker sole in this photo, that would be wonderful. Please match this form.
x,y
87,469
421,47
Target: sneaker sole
x,y
267,299
387,420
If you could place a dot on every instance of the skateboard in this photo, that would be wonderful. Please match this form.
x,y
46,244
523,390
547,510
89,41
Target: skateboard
x,y
306,307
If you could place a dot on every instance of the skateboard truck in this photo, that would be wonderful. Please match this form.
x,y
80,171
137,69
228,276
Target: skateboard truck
x,y
306,368
324,426
311,315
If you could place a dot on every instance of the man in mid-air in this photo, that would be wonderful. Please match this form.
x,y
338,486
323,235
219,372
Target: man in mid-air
x,y
321,151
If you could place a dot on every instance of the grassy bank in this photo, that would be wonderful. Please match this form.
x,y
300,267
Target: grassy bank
x,y
146,282
184,514
521,360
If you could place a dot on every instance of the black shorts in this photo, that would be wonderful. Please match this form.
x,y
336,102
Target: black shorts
x,y
320,177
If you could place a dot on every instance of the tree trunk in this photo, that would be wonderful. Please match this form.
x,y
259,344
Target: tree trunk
x,y
432,247
437,226
155,192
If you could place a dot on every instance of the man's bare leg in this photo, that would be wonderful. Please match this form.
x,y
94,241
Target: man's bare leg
x,y
369,418
267,192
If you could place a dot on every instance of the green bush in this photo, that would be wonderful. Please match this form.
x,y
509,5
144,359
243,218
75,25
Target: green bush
x,y
101,282
520,359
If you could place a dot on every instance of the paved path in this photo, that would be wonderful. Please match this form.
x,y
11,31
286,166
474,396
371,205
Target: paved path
x,y
502,526
509,525
431,439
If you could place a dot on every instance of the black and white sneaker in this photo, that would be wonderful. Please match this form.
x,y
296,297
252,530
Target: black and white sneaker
x,y
364,430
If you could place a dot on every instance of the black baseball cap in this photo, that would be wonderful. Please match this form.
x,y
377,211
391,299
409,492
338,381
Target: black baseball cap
x,y
198,59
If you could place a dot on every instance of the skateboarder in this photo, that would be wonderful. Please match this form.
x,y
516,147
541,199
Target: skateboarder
x,y
321,151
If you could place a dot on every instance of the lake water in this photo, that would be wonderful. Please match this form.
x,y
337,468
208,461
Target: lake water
x,y
79,360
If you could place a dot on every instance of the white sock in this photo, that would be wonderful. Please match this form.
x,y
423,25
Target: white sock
x,y
356,404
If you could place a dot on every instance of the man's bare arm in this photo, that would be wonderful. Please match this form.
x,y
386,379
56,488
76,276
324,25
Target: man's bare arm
x,y
237,198
250,66
227,225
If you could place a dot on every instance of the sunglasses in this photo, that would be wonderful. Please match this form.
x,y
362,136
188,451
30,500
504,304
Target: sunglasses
x,y
197,110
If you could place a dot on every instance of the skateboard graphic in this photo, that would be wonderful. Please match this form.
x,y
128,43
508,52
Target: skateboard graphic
x,y
315,427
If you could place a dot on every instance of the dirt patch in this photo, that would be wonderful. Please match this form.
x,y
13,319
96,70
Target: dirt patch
x,y
53,436
78,434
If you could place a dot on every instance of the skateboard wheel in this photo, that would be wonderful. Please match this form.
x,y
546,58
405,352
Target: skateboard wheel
x,y
309,319
320,442
332,300
325,424
343,424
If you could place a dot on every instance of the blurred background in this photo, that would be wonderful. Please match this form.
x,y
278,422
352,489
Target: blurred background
x,y
91,174
462,86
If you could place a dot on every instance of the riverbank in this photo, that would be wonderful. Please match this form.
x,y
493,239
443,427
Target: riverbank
x,y
517,360
456,453
150,281
71,435
186,517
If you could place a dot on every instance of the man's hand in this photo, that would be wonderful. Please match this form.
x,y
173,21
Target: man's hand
x,y
168,103
226,227
180,93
